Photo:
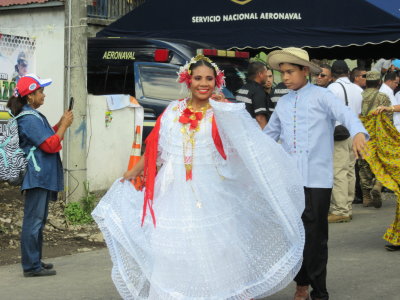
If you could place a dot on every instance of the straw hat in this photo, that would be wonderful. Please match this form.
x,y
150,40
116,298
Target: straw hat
x,y
292,56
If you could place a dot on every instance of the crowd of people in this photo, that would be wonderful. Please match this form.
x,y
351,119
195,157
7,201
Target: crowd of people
x,y
364,90
298,126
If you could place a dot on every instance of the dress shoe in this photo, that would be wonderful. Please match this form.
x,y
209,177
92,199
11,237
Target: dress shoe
x,y
39,273
47,266
332,218
392,248
302,293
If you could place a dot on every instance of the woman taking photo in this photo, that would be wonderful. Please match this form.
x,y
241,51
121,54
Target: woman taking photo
x,y
221,219
44,174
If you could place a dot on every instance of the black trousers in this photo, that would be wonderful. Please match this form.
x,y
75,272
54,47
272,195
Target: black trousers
x,y
315,256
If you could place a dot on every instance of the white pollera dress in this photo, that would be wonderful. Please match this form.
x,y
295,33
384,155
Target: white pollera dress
x,y
232,232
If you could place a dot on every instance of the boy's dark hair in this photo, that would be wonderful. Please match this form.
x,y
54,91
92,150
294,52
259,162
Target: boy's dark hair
x,y
296,65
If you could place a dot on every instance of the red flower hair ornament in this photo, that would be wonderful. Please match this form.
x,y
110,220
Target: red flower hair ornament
x,y
184,75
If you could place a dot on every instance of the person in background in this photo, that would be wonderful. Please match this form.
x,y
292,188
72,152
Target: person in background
x,y
253,94
372,98
390,83
303,121
396,64
344,161
358,76
21,68
383,157
277,92
324,78
44,174
382,65
270,82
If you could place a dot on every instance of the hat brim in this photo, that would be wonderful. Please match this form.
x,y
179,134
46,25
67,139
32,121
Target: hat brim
x,y
45,82
277,57
42,82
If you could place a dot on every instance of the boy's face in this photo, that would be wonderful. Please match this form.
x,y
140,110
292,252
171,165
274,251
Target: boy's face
x,y
292,76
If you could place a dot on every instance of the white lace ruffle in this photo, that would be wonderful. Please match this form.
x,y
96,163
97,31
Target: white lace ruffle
x,y
245,241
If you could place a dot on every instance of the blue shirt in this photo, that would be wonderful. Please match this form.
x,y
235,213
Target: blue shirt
x,y
304,121
33,132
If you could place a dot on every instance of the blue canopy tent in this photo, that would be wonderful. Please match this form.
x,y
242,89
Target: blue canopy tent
x,y
327,29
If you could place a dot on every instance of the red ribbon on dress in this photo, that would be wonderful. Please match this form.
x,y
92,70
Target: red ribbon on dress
x,y
150,169
217,139
150,164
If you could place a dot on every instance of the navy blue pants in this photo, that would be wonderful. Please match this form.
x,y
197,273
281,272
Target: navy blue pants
x,y
35,216
315,255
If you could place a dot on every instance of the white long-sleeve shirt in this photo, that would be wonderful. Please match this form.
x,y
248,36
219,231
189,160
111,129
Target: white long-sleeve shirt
x,y
304,121
395,101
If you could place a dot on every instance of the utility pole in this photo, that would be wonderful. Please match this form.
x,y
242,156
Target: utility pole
x,y
75,143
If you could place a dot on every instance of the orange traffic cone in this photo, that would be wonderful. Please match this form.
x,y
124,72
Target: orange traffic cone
x,y
135,157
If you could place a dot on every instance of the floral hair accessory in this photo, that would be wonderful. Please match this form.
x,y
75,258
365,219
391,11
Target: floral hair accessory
x,y
185,76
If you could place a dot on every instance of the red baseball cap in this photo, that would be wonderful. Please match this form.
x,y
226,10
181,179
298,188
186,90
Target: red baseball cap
x,y
30,83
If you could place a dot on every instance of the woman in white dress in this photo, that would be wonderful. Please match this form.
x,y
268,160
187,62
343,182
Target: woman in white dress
x,y
221,219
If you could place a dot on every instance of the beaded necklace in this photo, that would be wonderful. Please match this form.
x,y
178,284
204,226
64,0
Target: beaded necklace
x,y
190,120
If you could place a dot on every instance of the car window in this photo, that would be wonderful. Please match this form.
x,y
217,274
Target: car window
x,y
159,82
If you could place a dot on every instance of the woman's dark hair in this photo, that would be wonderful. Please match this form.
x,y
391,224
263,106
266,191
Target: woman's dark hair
x,y
15,104
202,62
373,83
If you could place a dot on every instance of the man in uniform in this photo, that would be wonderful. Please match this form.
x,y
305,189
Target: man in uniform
x,y
372,98
253,94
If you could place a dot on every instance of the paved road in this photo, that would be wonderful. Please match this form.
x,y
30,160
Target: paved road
x,y
359,267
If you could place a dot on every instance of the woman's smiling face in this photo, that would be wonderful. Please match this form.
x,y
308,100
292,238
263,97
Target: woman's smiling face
x,y
203,83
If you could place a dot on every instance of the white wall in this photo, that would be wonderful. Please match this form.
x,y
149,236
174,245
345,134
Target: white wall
x,y
47,26
109,148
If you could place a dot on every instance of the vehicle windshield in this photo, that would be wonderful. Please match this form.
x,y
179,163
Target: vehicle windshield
x,y
235,73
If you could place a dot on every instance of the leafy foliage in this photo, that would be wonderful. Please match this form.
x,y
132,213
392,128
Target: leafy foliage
x,y
80,212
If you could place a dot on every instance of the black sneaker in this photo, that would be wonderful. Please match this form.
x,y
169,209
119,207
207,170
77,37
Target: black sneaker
x,y
47,266
41,272
357,200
